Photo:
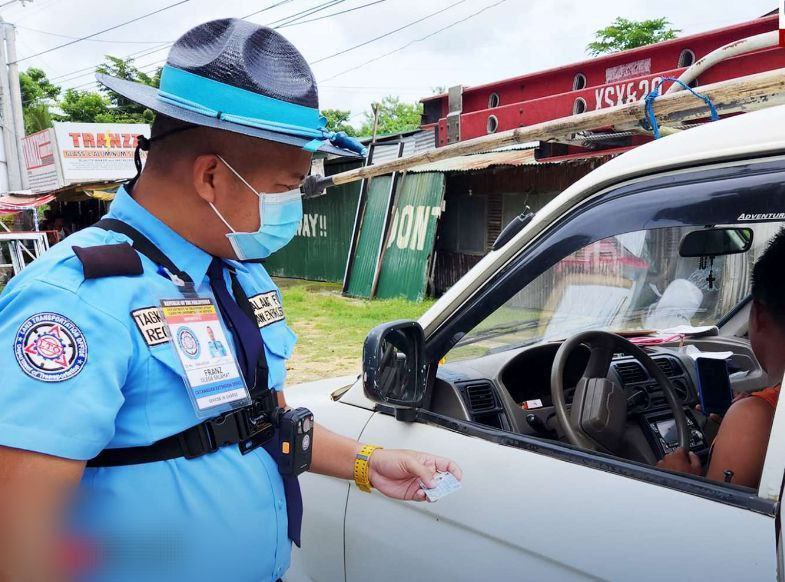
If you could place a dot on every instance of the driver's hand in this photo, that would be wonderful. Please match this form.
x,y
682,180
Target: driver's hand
x,y
717,418
681,462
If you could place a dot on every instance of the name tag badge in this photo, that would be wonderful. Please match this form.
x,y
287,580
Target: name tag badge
x,y
210,371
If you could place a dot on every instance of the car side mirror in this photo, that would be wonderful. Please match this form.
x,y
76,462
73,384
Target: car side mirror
x,y
394,364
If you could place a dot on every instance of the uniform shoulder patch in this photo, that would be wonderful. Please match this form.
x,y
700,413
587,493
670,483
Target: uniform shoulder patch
x,y
267,308
50,347
150,323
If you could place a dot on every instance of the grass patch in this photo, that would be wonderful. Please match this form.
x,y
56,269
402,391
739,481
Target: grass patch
x,y
331,328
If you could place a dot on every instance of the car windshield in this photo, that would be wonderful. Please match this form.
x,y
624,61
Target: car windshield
x,y
625,283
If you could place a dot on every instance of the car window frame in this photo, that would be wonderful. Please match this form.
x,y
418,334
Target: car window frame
x,y
478,307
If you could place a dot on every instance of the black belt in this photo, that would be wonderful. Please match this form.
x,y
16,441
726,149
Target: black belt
x,y
249,427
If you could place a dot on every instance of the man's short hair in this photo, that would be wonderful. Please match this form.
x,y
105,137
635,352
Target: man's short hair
x,y
768,283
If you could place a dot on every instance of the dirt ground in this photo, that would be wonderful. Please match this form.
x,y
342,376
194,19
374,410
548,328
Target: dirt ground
x,y
331,328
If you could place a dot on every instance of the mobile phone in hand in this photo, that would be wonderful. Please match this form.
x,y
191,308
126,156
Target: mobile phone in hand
x,y
714,389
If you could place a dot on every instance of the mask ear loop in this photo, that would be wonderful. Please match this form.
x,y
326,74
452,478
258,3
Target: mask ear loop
x,y
244,181
236,173
218,214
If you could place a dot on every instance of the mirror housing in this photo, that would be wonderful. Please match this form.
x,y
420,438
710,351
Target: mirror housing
x,y
394,364
715,242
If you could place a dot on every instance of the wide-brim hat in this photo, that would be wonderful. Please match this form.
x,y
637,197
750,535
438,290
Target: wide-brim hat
x,y
241,77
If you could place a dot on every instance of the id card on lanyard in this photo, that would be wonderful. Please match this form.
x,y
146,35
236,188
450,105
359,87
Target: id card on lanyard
x,y
209,369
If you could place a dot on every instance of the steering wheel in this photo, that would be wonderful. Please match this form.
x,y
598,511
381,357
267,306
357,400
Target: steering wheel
x,y
599,407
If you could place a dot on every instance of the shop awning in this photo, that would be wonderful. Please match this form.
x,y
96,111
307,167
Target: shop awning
x,y
12,203
81,192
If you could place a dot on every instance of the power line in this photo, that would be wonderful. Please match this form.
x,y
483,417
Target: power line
x,y
386,34
46,32
145,52
333,14
290,20
115,27
410,43
281,22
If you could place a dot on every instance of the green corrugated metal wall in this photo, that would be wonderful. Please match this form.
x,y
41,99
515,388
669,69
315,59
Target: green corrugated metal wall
x,y
318,252
411,236
367,251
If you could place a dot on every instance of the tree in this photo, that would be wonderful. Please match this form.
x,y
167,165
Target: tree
x,y
38,95
625,34
338,120
394,117
36,118
125,110
85,106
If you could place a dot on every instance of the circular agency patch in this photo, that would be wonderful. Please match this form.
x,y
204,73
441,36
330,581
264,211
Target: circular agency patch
x,y
188,342
50,347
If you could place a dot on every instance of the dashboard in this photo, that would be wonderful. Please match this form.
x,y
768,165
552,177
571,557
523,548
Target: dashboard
x,y
511,391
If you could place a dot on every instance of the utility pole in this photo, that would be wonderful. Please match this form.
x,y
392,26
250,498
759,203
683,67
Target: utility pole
x,y
12,123
16,101
13,175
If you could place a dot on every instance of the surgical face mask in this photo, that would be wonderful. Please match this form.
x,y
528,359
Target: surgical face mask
x,y
279,218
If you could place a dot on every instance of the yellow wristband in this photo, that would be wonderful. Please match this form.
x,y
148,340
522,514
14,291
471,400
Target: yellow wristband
x,y
362,468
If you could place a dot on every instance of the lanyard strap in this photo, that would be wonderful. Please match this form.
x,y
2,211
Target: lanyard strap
x,y
143,245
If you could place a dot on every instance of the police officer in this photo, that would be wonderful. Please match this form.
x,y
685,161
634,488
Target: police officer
x,y
117,458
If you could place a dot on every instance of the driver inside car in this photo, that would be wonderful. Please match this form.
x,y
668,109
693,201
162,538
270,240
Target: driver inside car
x,y
740,445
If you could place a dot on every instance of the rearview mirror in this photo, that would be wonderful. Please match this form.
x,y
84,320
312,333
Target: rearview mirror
x,y
714,242
394,364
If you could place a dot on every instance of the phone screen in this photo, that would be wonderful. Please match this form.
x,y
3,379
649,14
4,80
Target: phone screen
x,y
714,386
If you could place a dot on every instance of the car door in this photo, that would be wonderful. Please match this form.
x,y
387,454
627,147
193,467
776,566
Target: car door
x,y
538,509
531,515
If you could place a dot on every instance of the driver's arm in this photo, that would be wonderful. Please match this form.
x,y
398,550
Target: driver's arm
x,y
741,443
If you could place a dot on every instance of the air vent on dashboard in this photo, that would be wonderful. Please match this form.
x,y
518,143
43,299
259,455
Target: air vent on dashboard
x,y
669,366
630,372
480,397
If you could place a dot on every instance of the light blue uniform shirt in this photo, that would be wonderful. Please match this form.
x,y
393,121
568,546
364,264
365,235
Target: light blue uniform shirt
x,y
90,368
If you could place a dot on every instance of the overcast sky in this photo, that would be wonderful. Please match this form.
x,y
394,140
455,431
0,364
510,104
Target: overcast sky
x,y
496,38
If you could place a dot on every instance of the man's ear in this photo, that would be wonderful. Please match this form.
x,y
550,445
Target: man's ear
x,y
758,316
206,170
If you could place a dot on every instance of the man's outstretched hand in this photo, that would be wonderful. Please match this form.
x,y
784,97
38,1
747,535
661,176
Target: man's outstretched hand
x,y
681,462
397,473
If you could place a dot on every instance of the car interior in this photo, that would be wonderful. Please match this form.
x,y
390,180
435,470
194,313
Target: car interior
x,y
609,349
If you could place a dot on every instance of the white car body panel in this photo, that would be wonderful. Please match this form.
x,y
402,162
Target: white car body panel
x,y
522,515
324,498
526,515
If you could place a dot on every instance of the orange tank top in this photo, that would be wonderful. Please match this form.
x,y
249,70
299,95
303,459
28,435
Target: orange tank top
x,y
770,395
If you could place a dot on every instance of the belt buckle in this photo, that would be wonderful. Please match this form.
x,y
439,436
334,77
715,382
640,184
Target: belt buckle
x,y
225,429
196,442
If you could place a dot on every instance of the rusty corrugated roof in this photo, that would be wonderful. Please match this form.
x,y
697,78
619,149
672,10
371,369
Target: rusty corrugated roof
x,y
479,162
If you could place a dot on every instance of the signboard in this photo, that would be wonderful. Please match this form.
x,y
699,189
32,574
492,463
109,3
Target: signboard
x,y
627,71
81,153
93,152
39,152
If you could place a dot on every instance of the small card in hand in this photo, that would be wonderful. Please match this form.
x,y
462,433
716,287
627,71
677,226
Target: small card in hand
x,y
446,483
